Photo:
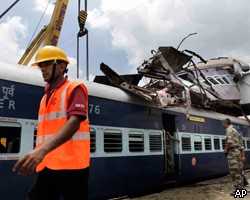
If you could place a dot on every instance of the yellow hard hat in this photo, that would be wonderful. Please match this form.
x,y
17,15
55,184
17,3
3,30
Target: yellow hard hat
x,y
47,53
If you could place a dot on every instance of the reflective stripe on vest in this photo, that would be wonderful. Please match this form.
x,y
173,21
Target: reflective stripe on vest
x,y
76,136
53,115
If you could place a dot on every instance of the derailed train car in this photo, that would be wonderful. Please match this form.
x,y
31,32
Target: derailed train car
x,y
128,154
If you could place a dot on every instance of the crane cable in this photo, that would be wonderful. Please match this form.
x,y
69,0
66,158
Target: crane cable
x,y
111,21
8,9
38,24
108,13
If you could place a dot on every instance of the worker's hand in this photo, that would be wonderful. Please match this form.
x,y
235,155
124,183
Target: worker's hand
x,y
29,162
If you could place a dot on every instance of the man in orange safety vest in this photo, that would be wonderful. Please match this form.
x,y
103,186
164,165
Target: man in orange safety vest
x,y
62,153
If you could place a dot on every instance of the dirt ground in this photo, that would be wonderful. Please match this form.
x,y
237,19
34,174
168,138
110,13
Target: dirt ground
x,y
214,189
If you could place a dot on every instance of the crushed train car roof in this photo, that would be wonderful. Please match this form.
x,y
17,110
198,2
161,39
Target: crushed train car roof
x,y
174,80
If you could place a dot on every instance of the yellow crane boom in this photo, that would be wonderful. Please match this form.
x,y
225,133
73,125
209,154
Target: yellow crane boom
x,y
50,34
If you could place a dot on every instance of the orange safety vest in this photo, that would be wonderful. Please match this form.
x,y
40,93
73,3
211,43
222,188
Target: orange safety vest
x,y
73,154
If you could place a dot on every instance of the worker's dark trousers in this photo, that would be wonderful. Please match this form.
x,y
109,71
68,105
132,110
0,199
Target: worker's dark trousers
x,y
53,184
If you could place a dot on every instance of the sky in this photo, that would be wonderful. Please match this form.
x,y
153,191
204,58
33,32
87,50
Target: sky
x,y
122,33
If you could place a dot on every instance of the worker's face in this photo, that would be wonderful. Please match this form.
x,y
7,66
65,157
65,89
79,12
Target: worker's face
x,y
47,70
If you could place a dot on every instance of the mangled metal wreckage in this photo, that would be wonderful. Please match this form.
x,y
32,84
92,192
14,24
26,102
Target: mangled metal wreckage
x,y
221,84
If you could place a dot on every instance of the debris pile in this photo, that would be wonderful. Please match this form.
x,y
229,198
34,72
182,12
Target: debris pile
x,y
175,80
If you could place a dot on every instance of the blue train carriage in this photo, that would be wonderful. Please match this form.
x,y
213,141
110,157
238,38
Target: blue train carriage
x,y
199,154
128,154
120,152
128,143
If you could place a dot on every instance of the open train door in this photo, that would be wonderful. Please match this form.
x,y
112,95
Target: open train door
x,y
171,147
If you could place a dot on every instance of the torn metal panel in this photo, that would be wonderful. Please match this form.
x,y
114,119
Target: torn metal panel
x,y
167,60
173,94
172,59
118,81
219,84
131,78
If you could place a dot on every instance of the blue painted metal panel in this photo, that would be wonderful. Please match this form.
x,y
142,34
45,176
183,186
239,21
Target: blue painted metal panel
x,y
109,177
23,102
118,176
19,100
206,165
121,114
13,186
210,126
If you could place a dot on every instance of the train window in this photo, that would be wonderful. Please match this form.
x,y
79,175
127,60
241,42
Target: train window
x,y
92,140
223,143
225,79
219,80
186,142
197,143
112,141
248,144
10,137
212,80
155,143
136,141
216,143
208,145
